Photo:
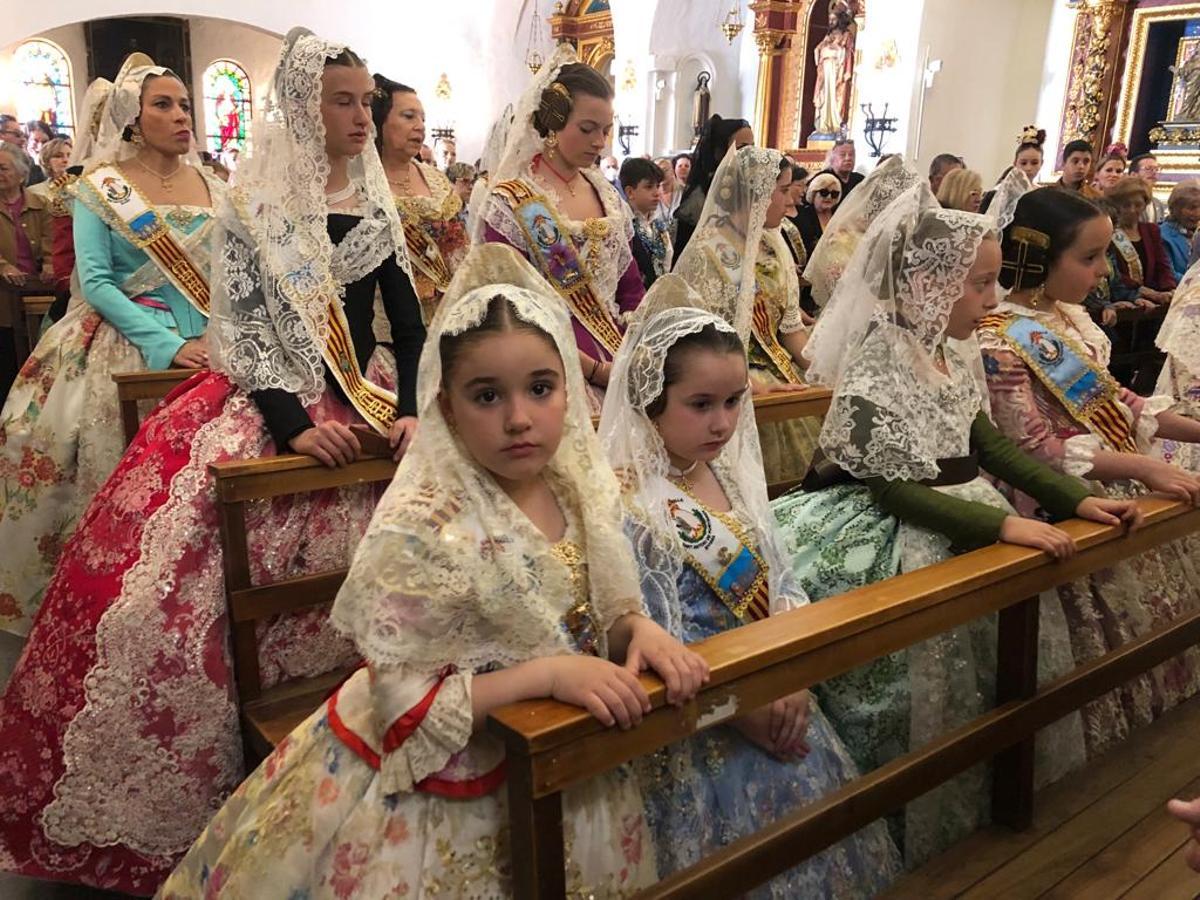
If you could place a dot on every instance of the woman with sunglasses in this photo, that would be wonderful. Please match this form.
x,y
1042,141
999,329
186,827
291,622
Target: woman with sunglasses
x,y
823,195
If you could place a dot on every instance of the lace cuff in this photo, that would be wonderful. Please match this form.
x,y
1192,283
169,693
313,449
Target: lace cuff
x,y
1080,453
1147,420
792,322
421,742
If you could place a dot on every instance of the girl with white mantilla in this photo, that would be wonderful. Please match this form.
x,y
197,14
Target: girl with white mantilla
x,y
502,528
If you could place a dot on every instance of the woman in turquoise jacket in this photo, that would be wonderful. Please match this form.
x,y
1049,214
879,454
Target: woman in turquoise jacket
x,y
140,299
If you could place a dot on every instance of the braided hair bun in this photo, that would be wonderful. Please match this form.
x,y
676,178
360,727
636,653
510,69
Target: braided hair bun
x,y
574,79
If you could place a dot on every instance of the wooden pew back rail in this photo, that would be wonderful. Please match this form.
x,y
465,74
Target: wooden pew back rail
x,y
552,746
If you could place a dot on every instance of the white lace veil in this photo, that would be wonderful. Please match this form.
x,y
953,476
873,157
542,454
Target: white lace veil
x,y
1009,191
875,343
636,451
91,116
729,235
493,149
450,572
850,222
275,266
523,142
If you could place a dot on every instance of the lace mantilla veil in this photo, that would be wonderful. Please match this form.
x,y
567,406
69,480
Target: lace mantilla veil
x,y
850,222
91,119
448,553
636,451
276,269
493,149
522,142
729,236
875,342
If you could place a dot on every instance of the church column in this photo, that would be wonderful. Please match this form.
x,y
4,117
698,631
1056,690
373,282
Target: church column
x,y
774,28
1101,32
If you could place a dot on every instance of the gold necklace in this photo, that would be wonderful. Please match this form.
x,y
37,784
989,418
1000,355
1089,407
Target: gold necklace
x,y
404,182
164,180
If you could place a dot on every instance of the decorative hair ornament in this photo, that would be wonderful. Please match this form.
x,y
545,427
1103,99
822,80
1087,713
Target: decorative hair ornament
x,y
1117,149
562,89
1026,252
1032,136
554,108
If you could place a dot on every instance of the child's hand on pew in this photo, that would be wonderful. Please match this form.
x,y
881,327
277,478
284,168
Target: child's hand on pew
x,y
1037,534
403,430
647,646
779,727
1189,814
331,443
1111,512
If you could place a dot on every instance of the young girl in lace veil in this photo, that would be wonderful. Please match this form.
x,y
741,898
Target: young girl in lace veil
x,y
1179,339
551,203
738,262
1123,444
678,427
120,726
909,422
502,529
60,426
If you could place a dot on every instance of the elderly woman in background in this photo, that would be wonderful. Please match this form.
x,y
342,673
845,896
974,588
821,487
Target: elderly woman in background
x,y
824,193
1179,227
24,221
961,189
1139,258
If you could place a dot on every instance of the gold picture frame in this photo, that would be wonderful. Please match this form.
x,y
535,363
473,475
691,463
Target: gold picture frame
x,y
1143,19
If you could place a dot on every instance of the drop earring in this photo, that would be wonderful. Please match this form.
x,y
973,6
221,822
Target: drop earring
x,y
136,139
550,144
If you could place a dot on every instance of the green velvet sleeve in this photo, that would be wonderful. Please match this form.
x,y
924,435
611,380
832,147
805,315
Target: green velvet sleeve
x,y
1058,494
968,525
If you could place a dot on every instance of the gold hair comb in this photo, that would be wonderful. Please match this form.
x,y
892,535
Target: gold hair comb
x,y
561,88
1028,235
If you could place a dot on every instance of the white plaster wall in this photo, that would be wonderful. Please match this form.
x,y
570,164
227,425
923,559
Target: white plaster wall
x,y
990,83
895,85
1056,70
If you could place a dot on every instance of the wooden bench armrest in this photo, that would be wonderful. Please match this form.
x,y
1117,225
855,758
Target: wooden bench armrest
x,y
292,473
151,385
812,402
757,663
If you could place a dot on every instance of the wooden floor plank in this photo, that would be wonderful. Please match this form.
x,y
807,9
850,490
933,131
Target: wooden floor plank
x,y
1130,858
1056,855
988,850
1171,880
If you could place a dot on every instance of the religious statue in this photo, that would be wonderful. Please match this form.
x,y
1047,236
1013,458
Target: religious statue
x,y
1187,83
835,70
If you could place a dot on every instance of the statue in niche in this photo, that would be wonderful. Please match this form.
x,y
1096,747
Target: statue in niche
x,y
1187,83
835,69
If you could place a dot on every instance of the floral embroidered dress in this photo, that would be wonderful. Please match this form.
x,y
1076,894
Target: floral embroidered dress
x,y
119,732
707,791
917,436
1179,339
436,234
1142,593
60,428
387,791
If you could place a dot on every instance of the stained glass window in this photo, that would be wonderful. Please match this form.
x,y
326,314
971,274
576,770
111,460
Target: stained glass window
x,y
44,85
226,106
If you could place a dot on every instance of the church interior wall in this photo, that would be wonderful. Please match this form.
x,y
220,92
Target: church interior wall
x,y
964,113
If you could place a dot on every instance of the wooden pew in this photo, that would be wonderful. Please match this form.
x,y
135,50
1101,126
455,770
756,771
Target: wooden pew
x,y
13,300
133,387
35,308
268,716
551,746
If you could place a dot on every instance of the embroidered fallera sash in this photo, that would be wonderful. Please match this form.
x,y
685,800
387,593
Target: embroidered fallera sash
x,y
426,255
126,211
763,331
721,552
554,255
1086,391
1129,253
377,405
